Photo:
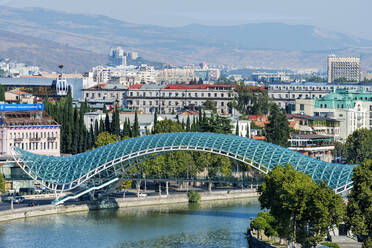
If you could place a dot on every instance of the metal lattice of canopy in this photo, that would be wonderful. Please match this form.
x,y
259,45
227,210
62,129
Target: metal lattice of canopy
x,y
66,173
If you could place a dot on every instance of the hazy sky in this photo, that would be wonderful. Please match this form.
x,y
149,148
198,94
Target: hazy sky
x,y
348,16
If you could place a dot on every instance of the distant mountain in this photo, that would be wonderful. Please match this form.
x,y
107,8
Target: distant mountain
x,y
293,46
47,54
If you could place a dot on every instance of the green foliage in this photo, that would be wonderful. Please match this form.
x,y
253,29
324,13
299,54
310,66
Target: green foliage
x,y
343,80
2,184
359,207
2,93
106,138
251,100
316,79
135,128
266,222
74,134
127,184
303,210
277,130
359,146
340,150
193,196
330,244
211,105
168,126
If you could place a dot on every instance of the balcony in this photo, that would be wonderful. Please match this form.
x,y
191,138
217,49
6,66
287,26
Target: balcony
x,y
35,139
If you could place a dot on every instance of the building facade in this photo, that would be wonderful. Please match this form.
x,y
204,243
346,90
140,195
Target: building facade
x,y
352,108
176,98
347,68
286,94
29,127
105,93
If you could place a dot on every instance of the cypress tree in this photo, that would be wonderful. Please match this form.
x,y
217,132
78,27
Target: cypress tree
x,y
130,129
116,122
82,134
96,131
188,125
101,126
107,123
2,93
135,131
155,120
237,128
75,133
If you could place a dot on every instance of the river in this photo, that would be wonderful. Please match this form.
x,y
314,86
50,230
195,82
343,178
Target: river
x,y
206,225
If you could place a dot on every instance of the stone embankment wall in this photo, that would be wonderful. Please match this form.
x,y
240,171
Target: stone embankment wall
x,y
120,203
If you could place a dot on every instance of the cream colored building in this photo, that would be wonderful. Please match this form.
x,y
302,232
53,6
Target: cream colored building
x,y
33,131
343,67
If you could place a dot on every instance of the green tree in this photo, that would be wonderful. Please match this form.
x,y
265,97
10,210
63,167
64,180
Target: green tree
x,y
116,122
106,138
107,127
316,79
359,146
155,120
188,124
2,93
277,130
210,105
2,183
168,126
251,100
303,210
359,207
135,128
237,128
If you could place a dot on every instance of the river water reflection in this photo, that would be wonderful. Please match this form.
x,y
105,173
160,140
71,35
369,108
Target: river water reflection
x,y
207,225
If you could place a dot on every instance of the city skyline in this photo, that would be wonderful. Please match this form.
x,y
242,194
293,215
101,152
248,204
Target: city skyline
x,y
329,16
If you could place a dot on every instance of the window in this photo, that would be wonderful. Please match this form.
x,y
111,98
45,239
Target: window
x,y
215,94
302,107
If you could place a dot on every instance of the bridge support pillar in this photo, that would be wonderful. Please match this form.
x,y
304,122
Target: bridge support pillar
x,y
166,187
159,188
209,186
138,185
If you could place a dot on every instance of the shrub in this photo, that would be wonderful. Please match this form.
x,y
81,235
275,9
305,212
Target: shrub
x,y
330,244
193,196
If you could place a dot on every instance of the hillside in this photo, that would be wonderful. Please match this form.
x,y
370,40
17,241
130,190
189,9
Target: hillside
x,y
264,45
47,54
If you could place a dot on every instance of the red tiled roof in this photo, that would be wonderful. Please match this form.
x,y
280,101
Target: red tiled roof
x,y
195,86
135,86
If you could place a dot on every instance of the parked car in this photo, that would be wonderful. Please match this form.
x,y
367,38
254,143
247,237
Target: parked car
x,y
18,199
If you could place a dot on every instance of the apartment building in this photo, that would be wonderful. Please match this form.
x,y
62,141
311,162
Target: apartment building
x,y
176,98
352,108
343,68
286,94
29,127
105,93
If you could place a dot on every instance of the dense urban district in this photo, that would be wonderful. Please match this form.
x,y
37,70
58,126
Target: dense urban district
x,y
324,116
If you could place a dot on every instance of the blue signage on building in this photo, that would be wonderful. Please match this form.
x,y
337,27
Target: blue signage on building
x,y
21,107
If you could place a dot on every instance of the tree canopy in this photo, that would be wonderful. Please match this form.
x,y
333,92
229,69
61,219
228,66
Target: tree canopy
x,y
359,207
359,146
277,130
303,211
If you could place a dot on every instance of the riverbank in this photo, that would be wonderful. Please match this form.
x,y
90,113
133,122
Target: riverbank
x,y
36,211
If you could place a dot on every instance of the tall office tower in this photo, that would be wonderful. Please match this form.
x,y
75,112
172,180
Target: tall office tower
x,y
117,57
343,68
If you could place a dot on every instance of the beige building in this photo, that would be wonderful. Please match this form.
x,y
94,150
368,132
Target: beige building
x,y
16,95
179,97
343,67
34,131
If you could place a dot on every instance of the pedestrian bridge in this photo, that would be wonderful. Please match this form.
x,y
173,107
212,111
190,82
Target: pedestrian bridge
x,y
111,161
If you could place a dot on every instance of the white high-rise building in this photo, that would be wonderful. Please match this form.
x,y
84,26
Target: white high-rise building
x,y
343,68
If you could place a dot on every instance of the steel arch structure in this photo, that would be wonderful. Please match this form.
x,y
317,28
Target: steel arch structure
x,y
66,173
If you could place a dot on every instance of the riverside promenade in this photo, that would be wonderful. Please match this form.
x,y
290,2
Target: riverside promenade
x,y
114,203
